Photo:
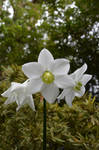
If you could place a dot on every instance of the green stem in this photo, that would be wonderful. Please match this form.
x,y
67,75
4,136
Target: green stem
x,y
44,125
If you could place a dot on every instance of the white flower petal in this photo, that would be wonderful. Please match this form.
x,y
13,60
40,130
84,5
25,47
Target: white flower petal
x,y
20,98
81,92
86,78
6,93
10,100
50,92
32,70
79,72
60,67
19,90
12,87
64,93
35,85
20,93
61,96
28,100
45,58
64,81
19,106
69,98
31,102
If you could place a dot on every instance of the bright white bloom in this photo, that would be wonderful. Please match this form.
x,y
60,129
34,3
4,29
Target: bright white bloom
x,y
19,93
79,80
47,75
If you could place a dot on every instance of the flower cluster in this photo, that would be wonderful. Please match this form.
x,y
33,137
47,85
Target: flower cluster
x,y
47,76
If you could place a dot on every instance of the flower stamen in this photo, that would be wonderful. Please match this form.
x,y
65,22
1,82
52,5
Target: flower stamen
x,y
78,86
47,77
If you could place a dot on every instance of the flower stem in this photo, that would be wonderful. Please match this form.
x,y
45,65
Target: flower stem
x,y
44,125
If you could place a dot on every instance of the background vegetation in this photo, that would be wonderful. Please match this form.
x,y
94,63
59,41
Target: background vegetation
x,y
75,128
69,31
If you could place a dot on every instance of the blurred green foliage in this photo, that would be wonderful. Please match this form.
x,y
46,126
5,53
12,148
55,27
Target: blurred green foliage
x,y
74,128
20,40
73,31
70,32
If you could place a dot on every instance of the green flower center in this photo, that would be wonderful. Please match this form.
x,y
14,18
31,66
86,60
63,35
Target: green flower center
x,y
78,86
47,77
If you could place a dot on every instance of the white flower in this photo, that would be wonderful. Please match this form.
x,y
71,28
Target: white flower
x,y
47,75
79,80
19,93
